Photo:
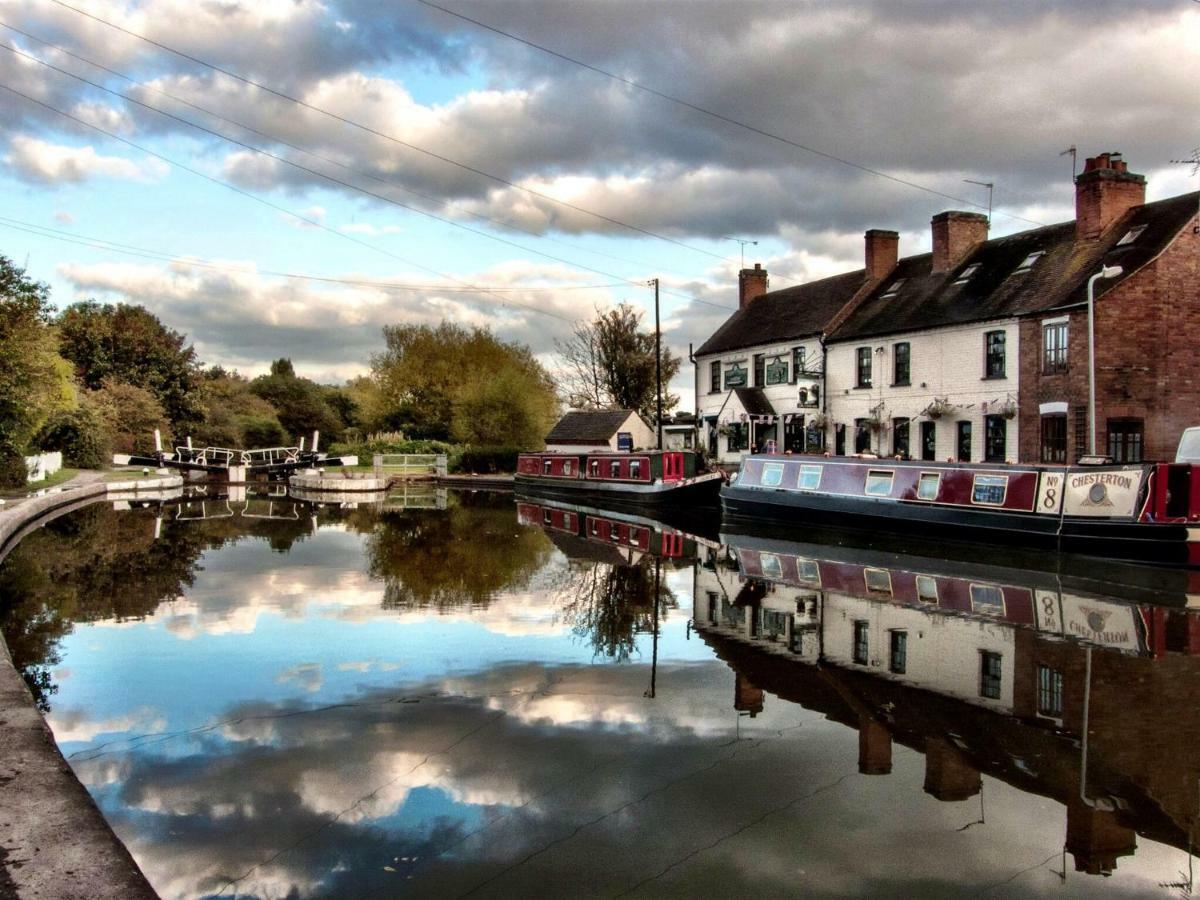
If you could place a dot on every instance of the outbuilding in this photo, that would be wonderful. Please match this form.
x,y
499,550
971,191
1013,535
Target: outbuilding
x,y
581,430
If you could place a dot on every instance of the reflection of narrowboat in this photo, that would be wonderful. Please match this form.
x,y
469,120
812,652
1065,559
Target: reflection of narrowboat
x,y
652,478
1142,513
629,536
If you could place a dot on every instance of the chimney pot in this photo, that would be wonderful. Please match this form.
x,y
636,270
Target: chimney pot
x,y
882,252
752,284
956,234
1104,192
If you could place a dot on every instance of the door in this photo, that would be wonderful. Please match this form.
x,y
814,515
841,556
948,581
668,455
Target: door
x,y
929,440
793,435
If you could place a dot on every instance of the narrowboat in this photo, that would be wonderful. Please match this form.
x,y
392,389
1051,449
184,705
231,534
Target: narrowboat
x,y
623,538
1144,513
644,478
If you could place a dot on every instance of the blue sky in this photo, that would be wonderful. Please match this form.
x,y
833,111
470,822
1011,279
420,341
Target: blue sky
x,y
658,189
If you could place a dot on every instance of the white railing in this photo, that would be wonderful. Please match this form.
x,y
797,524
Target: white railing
x,y
409,464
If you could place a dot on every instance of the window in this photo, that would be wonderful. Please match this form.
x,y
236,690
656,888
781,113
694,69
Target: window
x,y
566,467
860,642
1049,692
1131,235
994,354
927,591
810,478
966,273
595,468
1125,440
772,566
863,372
878,581
963,448
1054,438
900,437
898,652
989,490
777,371
760,370
987,599
546,466
595,527
1054,348
798,362
735,376
879,483
989,675
1081,431
862,436
928,441
739,436
714,377
772,474
635,468
901,355
893,289
807,570
1029,261
614,469
927,487
995,438
547,517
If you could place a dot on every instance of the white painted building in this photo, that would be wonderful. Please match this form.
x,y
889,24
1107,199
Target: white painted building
x,y
580,431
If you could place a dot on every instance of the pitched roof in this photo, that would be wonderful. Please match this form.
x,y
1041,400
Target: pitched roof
x,y
785,315
754,401
588,425
996,290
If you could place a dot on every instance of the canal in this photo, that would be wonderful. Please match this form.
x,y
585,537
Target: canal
x,y
456,694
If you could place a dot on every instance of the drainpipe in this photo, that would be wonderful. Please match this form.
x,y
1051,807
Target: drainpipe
x,y
824,393
1102,804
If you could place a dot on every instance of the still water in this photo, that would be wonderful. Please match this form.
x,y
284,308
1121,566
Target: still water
x,y
460,695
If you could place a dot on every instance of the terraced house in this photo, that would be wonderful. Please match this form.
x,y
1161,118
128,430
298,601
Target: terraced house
x,y
978,350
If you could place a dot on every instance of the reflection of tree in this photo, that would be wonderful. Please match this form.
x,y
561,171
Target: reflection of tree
x,y
462,556
611,604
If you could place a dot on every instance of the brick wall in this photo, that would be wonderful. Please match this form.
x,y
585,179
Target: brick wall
x,y
1147,358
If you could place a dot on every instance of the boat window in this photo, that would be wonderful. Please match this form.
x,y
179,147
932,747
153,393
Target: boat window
x,y
635,468
614,533
635,535
595,527
927,589
807,570
569,521
545,467
987,599
989,490
614,469
878,581
566,467
595,468
547,517
771,566
879,482
927,487
810,478
772,475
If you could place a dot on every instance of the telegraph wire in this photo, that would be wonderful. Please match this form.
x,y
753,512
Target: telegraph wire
x,y
388,137
84,240
315,223
708,112
330,178
500,223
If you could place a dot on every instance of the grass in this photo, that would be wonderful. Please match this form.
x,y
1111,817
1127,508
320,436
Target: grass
x,y
59,477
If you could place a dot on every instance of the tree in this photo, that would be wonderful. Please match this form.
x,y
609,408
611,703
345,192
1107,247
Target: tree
x,y
450,382
609,363
300,403
130,414
129,344
234,416
35,382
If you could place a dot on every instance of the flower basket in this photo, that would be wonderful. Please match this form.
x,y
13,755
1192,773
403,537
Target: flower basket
x,y
819,421
941,406
1008,409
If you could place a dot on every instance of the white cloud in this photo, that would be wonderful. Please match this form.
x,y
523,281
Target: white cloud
x,y
36,160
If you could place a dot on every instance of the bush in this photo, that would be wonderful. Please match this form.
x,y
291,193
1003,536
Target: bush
x,y
485,460
80,434
13,471
261,432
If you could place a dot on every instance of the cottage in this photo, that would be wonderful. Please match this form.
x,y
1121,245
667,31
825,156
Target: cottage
x,y
600,429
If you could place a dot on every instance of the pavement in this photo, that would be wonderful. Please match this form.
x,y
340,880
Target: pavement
x,y
54,842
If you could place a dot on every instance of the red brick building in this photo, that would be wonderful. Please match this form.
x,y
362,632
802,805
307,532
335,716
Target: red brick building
x,y
1147,323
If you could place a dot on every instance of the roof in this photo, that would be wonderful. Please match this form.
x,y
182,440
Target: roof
x,y
590,425
754,401
995,290
785,315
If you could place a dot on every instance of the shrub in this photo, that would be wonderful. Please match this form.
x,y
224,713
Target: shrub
x,y
485,460
80,434
261,432
13,471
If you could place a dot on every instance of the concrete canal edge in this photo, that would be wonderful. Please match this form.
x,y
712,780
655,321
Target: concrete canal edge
x,y
54,842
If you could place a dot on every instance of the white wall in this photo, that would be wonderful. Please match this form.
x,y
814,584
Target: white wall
x,y
944,362
43,466
644,438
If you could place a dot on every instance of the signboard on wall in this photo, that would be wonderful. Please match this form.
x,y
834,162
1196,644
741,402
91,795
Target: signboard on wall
x,y
624,440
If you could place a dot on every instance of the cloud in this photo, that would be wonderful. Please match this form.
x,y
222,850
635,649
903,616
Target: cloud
x,y
304,675
75,724
39,161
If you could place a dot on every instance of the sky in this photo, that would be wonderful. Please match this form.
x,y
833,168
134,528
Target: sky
x,y
285,177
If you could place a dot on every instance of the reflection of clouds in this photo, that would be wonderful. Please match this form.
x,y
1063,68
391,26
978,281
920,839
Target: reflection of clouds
x,y
73,724
305,675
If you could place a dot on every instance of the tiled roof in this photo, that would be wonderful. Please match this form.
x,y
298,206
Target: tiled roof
x,y
995,290
784,315
588,425
754,401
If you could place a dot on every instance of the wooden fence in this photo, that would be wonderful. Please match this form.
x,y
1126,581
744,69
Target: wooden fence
x,y
410,465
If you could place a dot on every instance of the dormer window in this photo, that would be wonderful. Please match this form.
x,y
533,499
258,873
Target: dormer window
x,y
893,289
1131,235
966,274
1029,261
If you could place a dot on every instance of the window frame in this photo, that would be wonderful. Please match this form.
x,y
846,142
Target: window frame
x,y
1056,337
714,377
806,470
995,350
1049,692
898,651
860,650
937,486
759,361
901,436
863,355
799,363
877,474
1001,423
991,683
975,485
1053,446
900,379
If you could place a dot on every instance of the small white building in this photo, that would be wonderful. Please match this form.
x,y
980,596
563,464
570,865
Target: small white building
x,y
581,430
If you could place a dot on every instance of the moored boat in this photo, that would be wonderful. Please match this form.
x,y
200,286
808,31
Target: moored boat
x,y
649,478
1148,513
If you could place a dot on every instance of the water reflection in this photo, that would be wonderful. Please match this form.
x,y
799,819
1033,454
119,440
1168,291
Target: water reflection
x,y
367,699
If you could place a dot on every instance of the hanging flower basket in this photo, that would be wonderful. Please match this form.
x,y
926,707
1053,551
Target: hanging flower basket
x,y
1008,409
819,421
941,406
875,423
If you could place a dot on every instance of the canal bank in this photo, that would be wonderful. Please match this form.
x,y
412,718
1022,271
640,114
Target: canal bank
x,y
54,842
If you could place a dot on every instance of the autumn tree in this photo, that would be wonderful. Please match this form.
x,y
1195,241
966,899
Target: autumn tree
x,y
609,364
301,403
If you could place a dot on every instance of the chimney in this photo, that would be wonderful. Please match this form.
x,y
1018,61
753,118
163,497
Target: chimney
x,y
752,284
955,234
874,747
882,253
1104,191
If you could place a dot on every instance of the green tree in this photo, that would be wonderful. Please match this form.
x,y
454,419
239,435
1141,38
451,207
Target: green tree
x,y
609,363
234,416
449,382
129,344
301,404
35,382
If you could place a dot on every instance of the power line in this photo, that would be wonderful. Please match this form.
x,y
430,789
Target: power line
x,y
762,132
369,130
265,202
84,240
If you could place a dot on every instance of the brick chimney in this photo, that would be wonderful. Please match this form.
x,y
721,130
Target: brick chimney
x,y
955,234
882,253
1104,191
752,284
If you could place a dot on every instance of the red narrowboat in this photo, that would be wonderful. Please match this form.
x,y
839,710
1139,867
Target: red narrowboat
x,y
645,478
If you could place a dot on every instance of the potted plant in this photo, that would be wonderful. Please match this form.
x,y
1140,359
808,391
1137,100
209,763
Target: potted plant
x,y
1008,408
940,406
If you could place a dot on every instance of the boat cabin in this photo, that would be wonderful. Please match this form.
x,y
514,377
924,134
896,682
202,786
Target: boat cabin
x,y
645,467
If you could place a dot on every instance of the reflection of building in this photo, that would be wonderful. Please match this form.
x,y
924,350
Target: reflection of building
x,y
983,676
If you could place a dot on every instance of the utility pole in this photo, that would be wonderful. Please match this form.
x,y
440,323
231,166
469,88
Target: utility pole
x,y
658,362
